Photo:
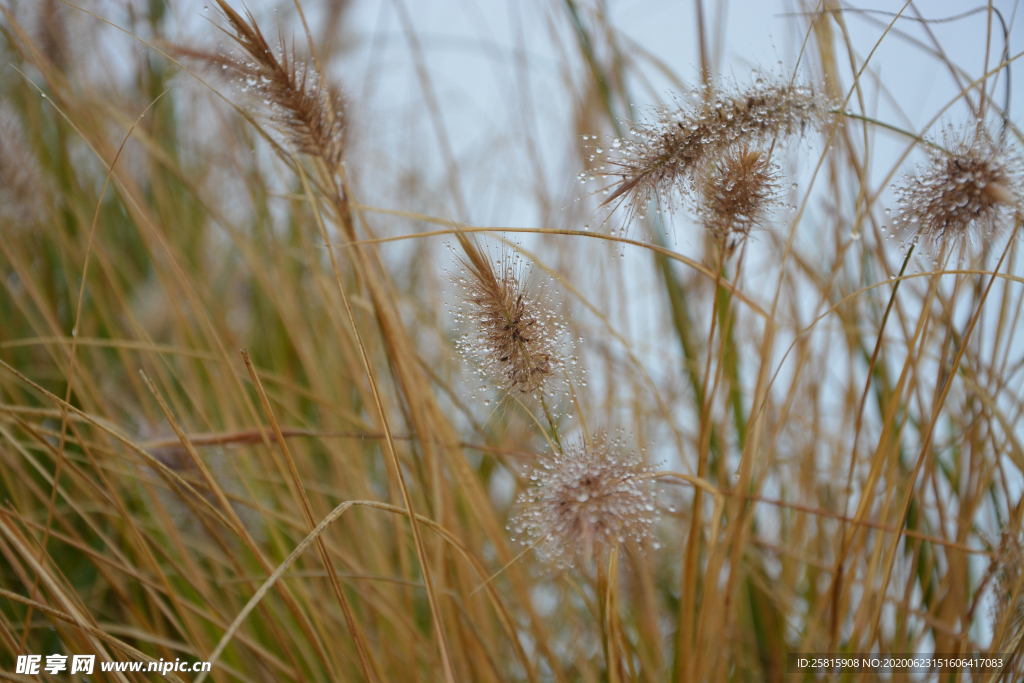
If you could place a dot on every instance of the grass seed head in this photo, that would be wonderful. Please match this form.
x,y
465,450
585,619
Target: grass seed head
x,y
963,194
23,190
586,500
664,156
53,33
1008,568
304,109
736,193
512,338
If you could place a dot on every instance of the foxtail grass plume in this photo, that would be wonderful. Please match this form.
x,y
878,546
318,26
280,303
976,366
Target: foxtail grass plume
x,y
23,191
53,33
586,500
512,338
1008,570
663,157
735,194
304,109
965,193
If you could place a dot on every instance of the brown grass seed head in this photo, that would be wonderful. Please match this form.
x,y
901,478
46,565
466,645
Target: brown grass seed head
x,y
963,195
736,193
512,338
586,500
663,157
23,189
305,110
1007,568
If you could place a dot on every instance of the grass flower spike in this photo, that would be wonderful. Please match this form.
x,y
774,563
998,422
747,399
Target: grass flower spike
x,y
664,157
1008,566
736,192
305,110
585,500
22,187
513,339
964,193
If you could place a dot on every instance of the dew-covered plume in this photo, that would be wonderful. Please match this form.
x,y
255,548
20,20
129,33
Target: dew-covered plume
x,y
663,156
735,194
963,195
586,500
1008,571
512,337
305,110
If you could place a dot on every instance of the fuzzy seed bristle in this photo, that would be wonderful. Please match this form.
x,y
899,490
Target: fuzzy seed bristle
x,y
963,195
304,109
664,156
512,338
585,501
735,194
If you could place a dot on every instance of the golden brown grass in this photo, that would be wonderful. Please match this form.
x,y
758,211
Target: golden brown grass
x,y
826,428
